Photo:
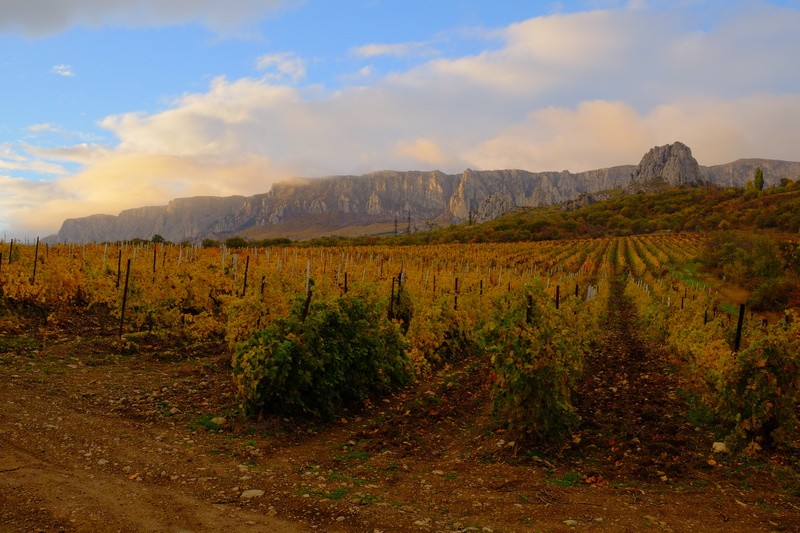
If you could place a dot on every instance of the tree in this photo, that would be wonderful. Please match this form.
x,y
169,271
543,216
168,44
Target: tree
x,y
758,179
236,242
157,239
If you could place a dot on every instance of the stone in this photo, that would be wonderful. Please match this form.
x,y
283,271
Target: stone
x,y
252,493
218,420
720,447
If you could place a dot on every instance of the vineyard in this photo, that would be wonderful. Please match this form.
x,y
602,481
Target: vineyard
x,y
513,335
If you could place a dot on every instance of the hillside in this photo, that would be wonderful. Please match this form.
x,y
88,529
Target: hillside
x,y
674,209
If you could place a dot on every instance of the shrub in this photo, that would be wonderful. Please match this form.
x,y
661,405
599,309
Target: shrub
x,y
536,365
760,394
775,295
345,350
439,335
743,258
237,242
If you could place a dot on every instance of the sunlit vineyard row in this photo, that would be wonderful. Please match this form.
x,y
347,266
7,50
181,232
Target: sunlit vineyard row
x,y
300,322
198,292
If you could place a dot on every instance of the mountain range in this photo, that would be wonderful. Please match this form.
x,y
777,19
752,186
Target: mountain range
x,y
380,201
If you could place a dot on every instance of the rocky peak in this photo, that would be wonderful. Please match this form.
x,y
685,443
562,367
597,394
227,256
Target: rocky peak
x,y
671,164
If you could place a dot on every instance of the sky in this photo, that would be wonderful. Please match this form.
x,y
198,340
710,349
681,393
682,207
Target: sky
x,y
107,105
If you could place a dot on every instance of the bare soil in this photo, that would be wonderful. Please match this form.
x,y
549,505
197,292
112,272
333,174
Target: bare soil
x,y
93,440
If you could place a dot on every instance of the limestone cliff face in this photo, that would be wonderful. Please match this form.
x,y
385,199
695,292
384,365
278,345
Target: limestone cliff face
x,y
672,164
738,173
342,201
385,196
181,219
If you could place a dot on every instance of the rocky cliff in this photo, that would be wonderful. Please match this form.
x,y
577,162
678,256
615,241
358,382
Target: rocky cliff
x,y
671,164
738,173
383,197
340,201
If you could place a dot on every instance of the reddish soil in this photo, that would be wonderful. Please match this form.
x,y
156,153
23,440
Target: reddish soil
x,y
96,441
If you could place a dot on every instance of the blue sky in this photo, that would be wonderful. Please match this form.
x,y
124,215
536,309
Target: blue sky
x,y
116,104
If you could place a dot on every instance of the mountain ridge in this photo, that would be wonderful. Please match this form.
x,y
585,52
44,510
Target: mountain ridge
x,y
387,197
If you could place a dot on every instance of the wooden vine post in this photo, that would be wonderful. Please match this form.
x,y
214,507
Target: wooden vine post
x,y
246,268
391,301
399,286
306,306
737,343
35,260
119,266
124,298
529,310
558,295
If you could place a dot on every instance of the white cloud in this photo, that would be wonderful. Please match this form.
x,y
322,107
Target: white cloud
x,y
63,70
282,67
38,167
12,160
83,153
396,50
47,17
43,128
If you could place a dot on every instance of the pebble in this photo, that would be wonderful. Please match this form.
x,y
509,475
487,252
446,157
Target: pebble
x,y
252,493
570,522
219,420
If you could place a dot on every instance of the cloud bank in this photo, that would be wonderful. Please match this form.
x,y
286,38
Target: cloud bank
x,y
576,92
48,17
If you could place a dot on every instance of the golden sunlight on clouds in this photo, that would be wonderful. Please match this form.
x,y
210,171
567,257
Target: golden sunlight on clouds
x,y
597,134
424,151
124,181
